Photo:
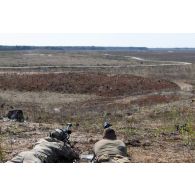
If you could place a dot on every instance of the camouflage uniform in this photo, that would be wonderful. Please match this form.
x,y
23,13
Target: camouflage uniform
x,y
108,150
47,150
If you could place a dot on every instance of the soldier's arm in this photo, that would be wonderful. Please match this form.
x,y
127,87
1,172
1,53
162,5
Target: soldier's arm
x,y
68,153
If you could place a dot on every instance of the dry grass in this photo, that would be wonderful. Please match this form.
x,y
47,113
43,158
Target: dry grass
x,y
45,98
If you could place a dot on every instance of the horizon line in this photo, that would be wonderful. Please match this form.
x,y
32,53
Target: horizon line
x,y
98,46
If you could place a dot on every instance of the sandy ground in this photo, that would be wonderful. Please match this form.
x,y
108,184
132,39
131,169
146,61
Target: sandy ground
x,y
184,86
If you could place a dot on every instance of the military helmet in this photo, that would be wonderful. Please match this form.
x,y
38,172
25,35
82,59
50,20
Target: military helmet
x,y
109,134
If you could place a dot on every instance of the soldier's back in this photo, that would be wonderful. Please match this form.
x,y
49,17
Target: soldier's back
x,y
110,147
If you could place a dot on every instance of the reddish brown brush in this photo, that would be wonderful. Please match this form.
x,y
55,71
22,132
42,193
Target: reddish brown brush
x,y
84,83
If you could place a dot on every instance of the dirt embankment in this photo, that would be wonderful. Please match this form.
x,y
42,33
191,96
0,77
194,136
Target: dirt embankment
x,y
82,83
184,86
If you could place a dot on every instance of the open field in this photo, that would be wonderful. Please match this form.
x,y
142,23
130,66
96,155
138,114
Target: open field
x,y
144,94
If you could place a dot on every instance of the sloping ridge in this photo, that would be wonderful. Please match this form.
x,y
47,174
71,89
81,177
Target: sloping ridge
x,y
84,83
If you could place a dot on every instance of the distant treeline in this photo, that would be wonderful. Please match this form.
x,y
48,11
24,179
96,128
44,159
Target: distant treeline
x,y
69,48
87,48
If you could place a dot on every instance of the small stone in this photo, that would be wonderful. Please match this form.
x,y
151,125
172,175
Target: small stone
x,y
129,113
147,143
90,140
134,143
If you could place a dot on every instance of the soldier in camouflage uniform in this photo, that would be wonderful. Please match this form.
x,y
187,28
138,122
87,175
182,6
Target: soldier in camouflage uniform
x,y
48,150
109,149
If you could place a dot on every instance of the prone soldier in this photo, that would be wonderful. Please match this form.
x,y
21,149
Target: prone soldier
x,y
54,148
110,149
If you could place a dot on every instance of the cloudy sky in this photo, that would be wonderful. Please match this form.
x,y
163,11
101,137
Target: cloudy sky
x,y
101,39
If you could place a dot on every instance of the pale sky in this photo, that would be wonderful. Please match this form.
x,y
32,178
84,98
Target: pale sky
x,y
101,39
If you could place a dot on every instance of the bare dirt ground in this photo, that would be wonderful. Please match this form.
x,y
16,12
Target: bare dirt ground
x,y
145,95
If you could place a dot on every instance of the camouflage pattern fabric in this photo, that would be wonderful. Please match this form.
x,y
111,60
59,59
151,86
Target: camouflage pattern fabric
x,y
47,150
112,159
113,151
